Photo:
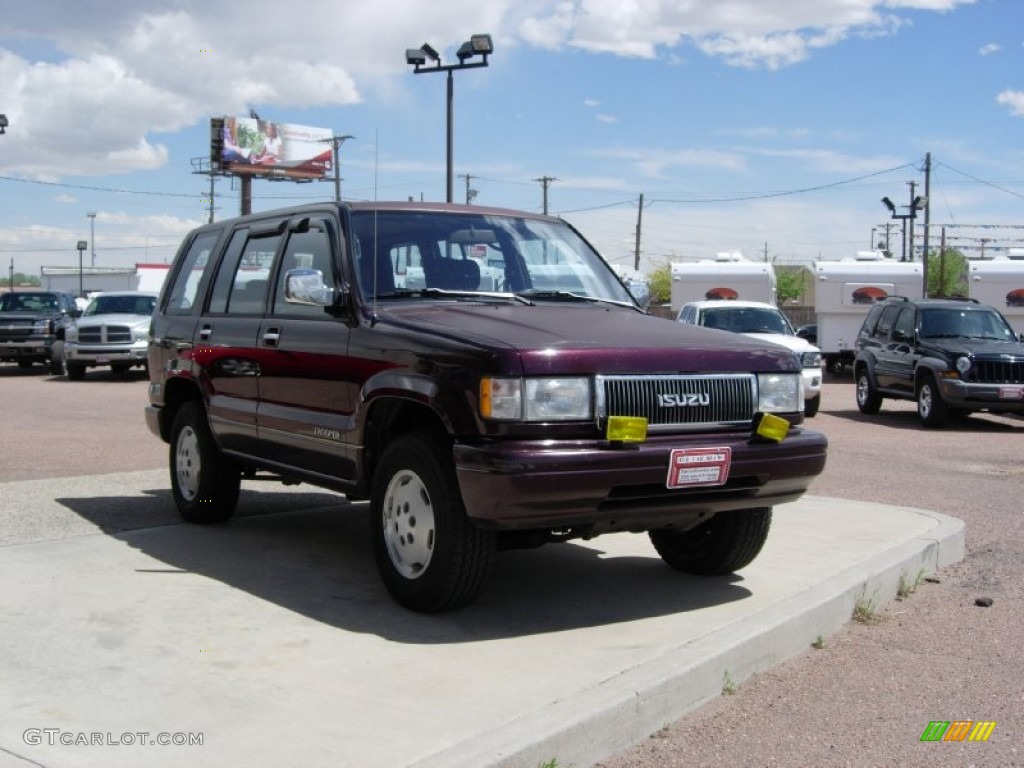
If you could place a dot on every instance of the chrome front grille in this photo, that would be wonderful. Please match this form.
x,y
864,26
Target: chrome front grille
x,y
105,334
679,402
997,372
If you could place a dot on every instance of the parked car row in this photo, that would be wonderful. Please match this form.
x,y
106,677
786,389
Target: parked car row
x,y
48,327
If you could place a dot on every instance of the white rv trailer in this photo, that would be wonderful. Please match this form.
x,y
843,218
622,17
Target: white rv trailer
x,y
999,282
844,292
728,276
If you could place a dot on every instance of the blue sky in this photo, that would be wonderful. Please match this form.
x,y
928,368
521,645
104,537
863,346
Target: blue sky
x,y
767,126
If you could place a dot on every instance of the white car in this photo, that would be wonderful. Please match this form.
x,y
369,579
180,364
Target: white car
x,y
113,330
761,321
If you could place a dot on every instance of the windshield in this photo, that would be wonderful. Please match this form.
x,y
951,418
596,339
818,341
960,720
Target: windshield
x,y
121,305
981,323
747,320
401,254
28,302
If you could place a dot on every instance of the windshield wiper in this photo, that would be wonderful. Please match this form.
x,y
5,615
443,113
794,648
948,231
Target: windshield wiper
x,y
537,293
406,293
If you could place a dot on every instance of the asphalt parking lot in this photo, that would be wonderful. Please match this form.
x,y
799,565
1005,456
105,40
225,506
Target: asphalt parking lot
x,y
127,621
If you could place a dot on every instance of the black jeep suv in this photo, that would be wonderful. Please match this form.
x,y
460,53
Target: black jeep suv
x,y
32,327
953,356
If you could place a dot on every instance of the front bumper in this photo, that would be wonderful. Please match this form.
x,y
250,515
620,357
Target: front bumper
x,y
590,484
106,354
973,396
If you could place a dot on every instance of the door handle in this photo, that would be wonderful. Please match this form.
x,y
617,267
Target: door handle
x,y
271,337
205,333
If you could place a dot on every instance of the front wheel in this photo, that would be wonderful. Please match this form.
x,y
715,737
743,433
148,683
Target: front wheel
x,y
57,358
75,372
930,406
811,406
204,482
725,543
430,555
868,399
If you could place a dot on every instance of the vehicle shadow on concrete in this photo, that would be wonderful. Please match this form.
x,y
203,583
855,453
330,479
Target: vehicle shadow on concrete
x,y
909,420
310,553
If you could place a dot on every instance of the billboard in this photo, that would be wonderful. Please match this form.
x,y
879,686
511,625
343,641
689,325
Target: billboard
x,y
252,147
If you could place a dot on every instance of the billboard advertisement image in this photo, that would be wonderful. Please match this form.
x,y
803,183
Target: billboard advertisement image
x,y
249,146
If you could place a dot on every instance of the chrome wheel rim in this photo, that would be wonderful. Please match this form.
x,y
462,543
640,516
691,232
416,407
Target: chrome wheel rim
x,y
863,387
408,520
924,401
186,463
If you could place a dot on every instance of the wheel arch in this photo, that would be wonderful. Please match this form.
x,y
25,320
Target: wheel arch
x,y
387,418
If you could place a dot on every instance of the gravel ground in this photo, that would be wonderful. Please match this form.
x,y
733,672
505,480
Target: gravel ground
x,y
866,696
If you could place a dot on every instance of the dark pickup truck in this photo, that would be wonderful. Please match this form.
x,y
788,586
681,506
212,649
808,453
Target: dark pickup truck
x,y
481,376
32,327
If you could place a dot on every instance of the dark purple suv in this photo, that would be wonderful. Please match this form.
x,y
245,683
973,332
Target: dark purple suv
x,y
481,376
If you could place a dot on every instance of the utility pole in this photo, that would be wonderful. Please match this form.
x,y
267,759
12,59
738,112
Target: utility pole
x,y
639,221
910,238
927,217
470,193
545,183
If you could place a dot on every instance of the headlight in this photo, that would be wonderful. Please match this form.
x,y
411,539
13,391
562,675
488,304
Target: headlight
x,y
810,360
42,326
779,392
536,399
71,334
140,333
963,364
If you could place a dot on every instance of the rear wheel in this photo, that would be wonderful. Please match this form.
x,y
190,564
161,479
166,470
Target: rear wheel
x,y
75,372
868,399
725,543
204,482
930,406
430,555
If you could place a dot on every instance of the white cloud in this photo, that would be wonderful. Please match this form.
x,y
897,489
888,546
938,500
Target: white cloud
x,y
1014,100
988,50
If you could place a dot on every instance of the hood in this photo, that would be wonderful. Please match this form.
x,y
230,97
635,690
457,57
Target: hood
x,y
975,348
119,318
795,343
569,338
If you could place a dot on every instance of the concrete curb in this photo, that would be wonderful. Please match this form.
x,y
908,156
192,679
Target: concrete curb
x,y
624,709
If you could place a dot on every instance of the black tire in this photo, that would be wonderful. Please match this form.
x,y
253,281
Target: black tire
x,y
74,372
23,364
868,399
430,555
120,370
931,408
834,365
57,358
725,543
811,406
204,482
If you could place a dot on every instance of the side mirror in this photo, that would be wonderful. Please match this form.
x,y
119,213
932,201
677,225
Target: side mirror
x,y
307,286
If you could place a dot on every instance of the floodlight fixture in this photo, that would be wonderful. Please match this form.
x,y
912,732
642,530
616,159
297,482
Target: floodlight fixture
x,y
430,52
415,57
919,203
3,123
889,204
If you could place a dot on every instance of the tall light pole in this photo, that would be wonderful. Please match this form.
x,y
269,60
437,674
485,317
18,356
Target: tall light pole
x,y
916,204
92,235
477,45
336,142
82,245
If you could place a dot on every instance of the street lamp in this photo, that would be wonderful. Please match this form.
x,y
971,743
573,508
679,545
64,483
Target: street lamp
x,y
82,245
916,204
335,142
477,45
92,235
3,123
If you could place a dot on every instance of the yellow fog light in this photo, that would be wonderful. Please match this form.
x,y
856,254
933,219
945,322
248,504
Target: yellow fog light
x,y
626,429
774,428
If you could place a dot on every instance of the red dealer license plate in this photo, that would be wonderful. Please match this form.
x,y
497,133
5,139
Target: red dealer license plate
x,y
1011,393
688,467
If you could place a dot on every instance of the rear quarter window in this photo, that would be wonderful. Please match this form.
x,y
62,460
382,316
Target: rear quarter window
x,y
184,289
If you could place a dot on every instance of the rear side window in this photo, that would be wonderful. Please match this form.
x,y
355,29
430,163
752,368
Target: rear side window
x,y
872,319
242,278
886,321
190,271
